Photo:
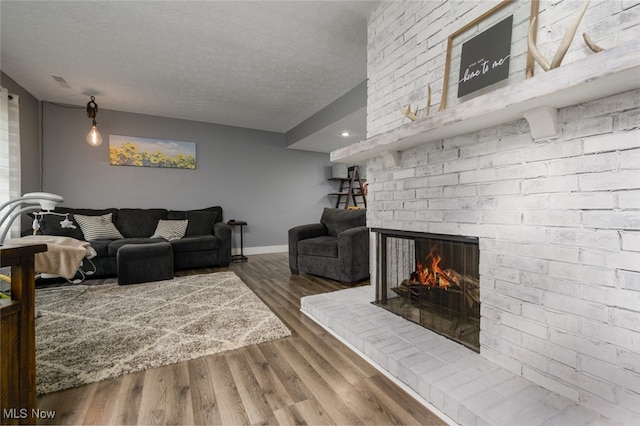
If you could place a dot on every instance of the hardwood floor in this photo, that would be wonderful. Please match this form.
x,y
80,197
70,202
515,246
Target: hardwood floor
x,y
307,378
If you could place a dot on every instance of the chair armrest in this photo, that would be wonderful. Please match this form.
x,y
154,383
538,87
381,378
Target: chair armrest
x,y
302,232
353,253
223,232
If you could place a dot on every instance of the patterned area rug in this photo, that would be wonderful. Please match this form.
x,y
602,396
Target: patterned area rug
x,y
88,333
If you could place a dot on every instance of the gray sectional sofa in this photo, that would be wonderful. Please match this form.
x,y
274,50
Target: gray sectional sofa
x,y
206,241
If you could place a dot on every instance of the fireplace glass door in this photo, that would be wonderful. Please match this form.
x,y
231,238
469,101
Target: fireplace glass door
x,y
432,280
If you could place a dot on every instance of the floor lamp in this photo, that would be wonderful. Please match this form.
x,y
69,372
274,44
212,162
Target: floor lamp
x,y
29,202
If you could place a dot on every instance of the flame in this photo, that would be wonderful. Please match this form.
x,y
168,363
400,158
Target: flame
x,y
430,273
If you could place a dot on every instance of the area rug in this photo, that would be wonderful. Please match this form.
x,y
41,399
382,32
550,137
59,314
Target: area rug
x,y
88,333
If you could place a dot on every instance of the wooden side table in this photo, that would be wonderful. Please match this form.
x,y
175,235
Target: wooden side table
x,y
239,257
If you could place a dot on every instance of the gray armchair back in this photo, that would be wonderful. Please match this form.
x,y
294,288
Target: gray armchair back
x,y
336,248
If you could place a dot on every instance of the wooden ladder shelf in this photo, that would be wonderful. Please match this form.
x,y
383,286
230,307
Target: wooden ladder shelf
x,y
352,189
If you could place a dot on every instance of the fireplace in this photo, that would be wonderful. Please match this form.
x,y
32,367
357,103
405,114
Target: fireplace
x,y
432,280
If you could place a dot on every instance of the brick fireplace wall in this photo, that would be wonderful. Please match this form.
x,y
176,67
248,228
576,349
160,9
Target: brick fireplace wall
x,y
558,221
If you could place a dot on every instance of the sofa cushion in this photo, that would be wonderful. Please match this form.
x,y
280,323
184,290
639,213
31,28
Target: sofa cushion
x,y
97,227
137,223
201,243
325,246
50,224
170,229
338,220
200,222
115,245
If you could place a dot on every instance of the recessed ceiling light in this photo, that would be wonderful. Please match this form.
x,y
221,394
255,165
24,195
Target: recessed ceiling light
x,y
345,134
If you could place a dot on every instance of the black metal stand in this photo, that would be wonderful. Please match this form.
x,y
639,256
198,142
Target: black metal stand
x,y
239,257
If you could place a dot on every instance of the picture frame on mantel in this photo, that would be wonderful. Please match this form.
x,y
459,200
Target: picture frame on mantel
x,y
492,57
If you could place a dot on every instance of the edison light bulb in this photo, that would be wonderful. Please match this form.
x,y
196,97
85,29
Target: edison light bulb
x,y
94,138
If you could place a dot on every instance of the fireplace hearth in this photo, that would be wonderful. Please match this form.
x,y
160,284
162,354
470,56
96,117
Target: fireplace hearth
x,y
432,280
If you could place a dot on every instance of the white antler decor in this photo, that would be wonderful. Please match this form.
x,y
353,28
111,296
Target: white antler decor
x,y
413,116
564,45
594,47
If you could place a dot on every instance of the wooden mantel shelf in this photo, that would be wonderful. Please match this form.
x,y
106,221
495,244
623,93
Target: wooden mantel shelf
x,y
612,71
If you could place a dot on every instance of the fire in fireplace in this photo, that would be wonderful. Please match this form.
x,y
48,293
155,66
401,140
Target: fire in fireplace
x,y
432,280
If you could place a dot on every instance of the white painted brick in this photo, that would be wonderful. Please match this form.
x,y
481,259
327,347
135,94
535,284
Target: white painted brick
x,y
550,383
432,169
520,292
627,318
629,280
583,201
612,297
478,230
611,373
460,165
628,179
587,127
550,150
629,220
629,260
443,180
525,325
630,159
501,217
527,202
584,164
404,174
552,218
501,188
552,252
629,200
582,273
430,216
498,334
583,381
551,284
621,337
523,234
550,184
501,302
583,345
479,149
476,176
501,159
601,239
593,257
445,156
612,142
581,308
459,191
630,361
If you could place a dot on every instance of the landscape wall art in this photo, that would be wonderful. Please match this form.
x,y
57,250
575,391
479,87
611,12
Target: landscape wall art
x,y
147,152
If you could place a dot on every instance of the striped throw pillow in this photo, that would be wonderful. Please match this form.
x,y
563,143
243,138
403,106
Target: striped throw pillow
x,y
170,229
98,227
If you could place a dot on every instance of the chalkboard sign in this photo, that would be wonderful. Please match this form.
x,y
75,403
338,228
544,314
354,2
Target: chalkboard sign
x,y
484,59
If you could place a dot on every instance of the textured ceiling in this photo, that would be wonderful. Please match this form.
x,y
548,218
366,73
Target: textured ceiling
x,y
262,64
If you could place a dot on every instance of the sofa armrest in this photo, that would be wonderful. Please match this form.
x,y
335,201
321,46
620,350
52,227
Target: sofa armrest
x,y
302,232
223,232
353,253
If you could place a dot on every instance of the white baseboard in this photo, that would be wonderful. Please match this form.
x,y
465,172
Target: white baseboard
x,y
261,250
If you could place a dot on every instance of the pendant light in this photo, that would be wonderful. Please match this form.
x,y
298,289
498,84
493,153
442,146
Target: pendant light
x,y
94,138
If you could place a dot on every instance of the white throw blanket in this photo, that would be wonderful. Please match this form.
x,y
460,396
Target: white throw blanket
x,y
63,257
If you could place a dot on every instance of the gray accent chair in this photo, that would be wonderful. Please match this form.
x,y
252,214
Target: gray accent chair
x,y
336,248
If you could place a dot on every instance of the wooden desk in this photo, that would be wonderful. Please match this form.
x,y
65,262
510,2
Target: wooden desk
x,y
18,338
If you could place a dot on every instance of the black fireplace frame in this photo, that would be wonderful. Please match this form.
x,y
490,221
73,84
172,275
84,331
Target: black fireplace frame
x,y
382,286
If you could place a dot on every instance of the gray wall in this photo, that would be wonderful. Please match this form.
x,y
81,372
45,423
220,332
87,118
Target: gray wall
x,y
249,173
